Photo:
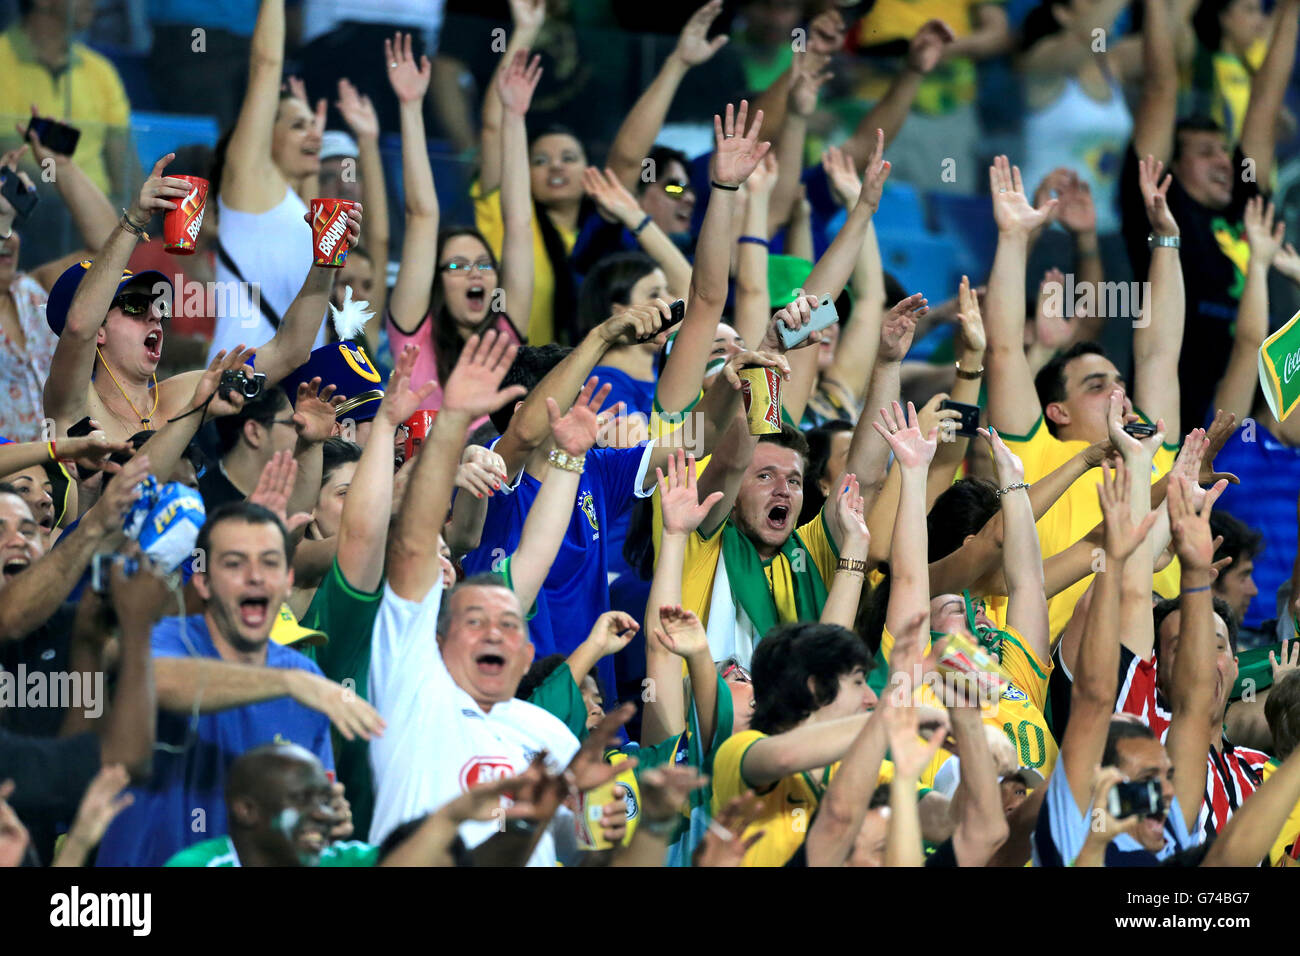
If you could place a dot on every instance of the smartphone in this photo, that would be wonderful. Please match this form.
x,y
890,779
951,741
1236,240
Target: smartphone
x,y
822,317
1141,798
970,417
20,197
101,569
676,312
81,429
1139,429
55,136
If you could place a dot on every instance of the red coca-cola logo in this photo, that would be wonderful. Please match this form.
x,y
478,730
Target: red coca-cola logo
x,y
481,770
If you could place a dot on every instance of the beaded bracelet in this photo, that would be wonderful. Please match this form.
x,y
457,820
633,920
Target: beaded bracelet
x,y
1014,487
565,461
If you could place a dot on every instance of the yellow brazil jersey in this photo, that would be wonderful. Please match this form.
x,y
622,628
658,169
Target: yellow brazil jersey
x,y
787,806
1019,711
1077,511
487,216
1231,77
1290,831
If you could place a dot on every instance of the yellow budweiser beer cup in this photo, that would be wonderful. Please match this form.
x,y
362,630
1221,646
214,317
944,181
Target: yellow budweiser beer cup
x,y
181,225
329,231
761,389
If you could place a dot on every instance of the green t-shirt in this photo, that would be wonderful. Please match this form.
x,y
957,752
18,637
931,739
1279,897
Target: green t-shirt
x,y
347,616
221,852
560,696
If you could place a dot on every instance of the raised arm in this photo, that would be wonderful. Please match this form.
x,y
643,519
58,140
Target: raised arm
x,y
1192,695
737,151
359,113
528,17
637,134
471,391
614,202
91,211
543,532
965,389
804,87
1250,834
846,590
681,632
1237,388
805,748
368,507
515,86
910,755
410,300
753,308
1158,338
1021,563
1013,400
909,585
977,805
1153,124
73,364
250,177
1267,91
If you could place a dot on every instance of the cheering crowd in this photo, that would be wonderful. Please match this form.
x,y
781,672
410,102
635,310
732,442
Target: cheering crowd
x,y
630,523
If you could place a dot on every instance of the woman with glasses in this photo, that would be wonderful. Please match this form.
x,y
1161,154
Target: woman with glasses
x,y
440,301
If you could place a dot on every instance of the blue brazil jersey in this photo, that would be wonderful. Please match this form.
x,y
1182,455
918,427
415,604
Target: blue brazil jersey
x,y
184,802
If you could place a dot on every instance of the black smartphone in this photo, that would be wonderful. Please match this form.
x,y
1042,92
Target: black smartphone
x,y
55,136
676,312
1140,798
1139,429
23,200
81,429
970,417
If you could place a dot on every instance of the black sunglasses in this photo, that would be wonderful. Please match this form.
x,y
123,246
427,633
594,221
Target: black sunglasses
x,y
136,304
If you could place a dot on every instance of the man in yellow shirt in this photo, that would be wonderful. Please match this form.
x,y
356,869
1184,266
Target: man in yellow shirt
x,y
67,81
1047,419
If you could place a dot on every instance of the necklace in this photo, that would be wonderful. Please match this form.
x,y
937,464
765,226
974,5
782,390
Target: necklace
x,y
143,420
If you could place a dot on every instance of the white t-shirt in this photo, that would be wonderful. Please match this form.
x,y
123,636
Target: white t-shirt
x,y
438,741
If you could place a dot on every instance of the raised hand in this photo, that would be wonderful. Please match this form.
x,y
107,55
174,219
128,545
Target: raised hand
x,y
409,80
845,183
1132,449
873,185
1010,469
1288,661
640,323
1189,526
898,327
315,410
473,388
481,471
908,751
679,499
588,768
91,452
929,45
1265,239
1120,534
681,632
575,431
1221,429
612,632
731,370
528,15
693,45
516,83
931,416
611,197
275,485
762,180
357,111
100,805
1076,212
849,504
141,600
1155,195
664,790
1287,262
400,401
1188,463
13,835
1011,209
912,449
806,85
969,318
159,193
723,844
794,317
118,495
9,161
298,90
220,405
736,151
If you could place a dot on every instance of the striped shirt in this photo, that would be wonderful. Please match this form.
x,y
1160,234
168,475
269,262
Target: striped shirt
x,y
1232,773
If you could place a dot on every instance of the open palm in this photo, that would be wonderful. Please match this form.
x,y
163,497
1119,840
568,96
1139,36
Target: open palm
x,y
903,432
400,400
409,79
473,388
1011,208
736,151
575,431
679,497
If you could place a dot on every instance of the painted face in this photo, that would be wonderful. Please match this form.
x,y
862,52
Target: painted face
x,y
948,615
771,496
294,815
295,144
557,161
469,276
1204,167
1142,759
486,647
1089,380
670,199
726,343
246,581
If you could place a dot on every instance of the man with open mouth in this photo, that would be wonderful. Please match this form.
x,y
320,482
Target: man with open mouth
x,y
111,328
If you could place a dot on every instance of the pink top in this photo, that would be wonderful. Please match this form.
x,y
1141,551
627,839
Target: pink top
x,y
23,370
426,366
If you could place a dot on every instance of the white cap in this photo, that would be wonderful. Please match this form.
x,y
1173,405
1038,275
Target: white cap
x,y
335,143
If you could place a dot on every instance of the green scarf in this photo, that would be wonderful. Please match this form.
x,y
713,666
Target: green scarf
x,y
748,579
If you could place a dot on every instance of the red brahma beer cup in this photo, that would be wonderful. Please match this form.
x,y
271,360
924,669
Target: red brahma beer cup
x,y
181,225
417,430
329,231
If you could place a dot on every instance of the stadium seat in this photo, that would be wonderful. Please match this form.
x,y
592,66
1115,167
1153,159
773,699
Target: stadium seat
x,y
922,262
157,134
901,209
968,222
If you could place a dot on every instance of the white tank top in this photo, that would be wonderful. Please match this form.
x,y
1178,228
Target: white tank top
x,y
273,250
1089,137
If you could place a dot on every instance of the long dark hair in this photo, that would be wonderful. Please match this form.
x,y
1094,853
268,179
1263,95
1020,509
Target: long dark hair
x,y
447,342
564,298
611,280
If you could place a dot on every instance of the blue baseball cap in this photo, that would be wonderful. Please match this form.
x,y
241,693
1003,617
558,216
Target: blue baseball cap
x,y
346,366
65,289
